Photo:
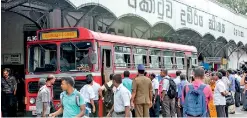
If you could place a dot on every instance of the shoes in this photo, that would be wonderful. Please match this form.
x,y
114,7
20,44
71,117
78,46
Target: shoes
x,y
243,109
232,112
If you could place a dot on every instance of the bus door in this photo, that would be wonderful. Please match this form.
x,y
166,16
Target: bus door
x,y
188,64
106,63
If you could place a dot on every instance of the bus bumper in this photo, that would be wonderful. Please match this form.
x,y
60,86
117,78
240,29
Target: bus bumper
x,y
29,114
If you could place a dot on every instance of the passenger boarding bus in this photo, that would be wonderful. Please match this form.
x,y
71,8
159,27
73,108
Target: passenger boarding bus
x,y
77,52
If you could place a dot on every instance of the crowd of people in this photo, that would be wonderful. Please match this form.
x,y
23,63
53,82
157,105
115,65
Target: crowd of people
x,y
205,94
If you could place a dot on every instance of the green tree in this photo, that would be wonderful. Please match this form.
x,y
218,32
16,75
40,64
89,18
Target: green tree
x,y
240,6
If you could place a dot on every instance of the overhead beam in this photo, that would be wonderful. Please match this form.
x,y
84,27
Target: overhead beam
x,y
12,4
205,47
234,50
222,48
77,23
109,26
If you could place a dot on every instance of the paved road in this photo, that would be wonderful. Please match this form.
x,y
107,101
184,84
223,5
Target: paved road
x,y
239,113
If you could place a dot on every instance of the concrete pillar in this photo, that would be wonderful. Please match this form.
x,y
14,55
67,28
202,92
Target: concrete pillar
x,y
55,18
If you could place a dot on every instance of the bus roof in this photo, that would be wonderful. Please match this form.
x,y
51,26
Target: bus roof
x,y
88,34
141,42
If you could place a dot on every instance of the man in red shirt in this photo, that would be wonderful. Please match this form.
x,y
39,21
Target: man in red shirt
x,y
49,83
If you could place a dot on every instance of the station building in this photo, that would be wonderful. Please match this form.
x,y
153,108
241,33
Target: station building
x,y
218,33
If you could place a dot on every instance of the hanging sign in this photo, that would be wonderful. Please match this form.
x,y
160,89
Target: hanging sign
x,y
12,58
213,59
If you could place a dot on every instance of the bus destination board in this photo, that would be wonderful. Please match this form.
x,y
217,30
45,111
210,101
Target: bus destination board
x,y
58,35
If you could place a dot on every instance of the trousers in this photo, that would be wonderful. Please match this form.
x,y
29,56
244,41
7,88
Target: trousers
x,y
220,110
168,106
96,103
8,106
154,111
142,110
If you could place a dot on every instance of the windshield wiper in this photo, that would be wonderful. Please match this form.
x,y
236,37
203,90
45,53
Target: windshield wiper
x,y
42,47
74,45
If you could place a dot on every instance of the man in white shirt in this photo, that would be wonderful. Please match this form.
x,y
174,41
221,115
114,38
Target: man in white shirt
x,y
168,105
96,89
155,109
219,96
88,94
122,96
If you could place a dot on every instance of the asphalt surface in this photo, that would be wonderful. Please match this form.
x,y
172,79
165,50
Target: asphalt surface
x,y
239,113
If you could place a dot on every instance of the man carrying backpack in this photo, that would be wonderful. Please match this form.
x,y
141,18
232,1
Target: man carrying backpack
x,y
237,88
108,89
169,92
73,104
196,96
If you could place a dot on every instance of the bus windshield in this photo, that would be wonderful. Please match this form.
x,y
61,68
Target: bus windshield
x,y
40,57
74,56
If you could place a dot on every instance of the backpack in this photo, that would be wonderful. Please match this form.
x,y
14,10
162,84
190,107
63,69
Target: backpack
x,y
77,99
195,102
237,85
172,91
108,97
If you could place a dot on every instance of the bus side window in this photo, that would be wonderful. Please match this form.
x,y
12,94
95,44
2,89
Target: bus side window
x,y
140,56
122,57
154,58
179,60
194,59
168,59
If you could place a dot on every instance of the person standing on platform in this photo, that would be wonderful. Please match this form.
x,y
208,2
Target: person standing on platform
x,y
168,103
180,90
88,94
219,96
177,80
227,84
127,82
232,89
155,109
96,88
121,106
43,99
8,91
73,104
141,93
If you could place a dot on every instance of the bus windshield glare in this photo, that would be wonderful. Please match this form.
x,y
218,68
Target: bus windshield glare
x,y
74,56
40,57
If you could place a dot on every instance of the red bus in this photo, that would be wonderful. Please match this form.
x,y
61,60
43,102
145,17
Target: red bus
x,y
77,52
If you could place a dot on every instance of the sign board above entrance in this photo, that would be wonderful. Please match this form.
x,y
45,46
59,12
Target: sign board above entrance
x,y
213,59
201,16
12,58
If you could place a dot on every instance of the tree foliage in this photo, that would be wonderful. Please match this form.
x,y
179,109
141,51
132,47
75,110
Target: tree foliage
x,y
239,6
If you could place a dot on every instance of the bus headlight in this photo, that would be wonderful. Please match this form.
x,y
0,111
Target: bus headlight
x,y
32,101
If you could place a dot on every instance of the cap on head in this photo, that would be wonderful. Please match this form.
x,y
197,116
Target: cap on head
x,y
141,67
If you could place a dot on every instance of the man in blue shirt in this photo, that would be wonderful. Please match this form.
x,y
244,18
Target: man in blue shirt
x,y
127,82
231,77
73,104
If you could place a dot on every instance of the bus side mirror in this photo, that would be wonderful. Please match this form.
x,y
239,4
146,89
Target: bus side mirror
x,y
93,58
